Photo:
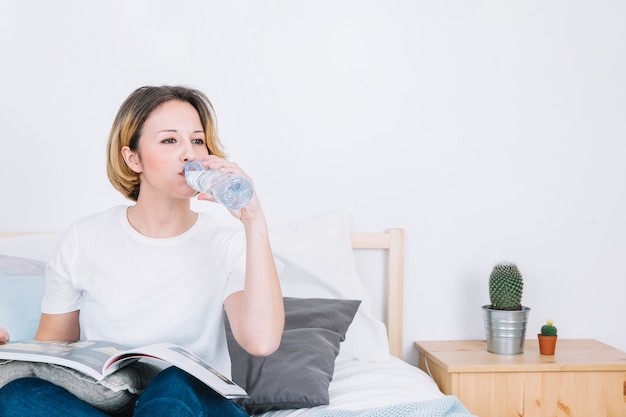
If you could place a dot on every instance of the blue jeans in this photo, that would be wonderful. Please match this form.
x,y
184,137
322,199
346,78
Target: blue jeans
x,y
172,393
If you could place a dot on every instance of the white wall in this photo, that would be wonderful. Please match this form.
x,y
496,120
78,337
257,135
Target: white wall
x,y
488,130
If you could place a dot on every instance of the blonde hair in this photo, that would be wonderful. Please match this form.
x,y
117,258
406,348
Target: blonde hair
x,y
129,121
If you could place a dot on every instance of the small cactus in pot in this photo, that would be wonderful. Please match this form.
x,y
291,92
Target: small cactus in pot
x,y
505,287
547,338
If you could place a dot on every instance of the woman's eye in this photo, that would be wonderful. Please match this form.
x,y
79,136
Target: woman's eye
x,y
170,140
198,141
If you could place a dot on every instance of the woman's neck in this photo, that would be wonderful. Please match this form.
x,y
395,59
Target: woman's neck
x,y
161,220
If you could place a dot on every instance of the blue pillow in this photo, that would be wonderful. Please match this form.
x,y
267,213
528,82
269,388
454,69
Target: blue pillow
x,y
21,291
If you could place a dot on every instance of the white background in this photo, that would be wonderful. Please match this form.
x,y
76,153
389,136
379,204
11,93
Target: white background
x,y
489,130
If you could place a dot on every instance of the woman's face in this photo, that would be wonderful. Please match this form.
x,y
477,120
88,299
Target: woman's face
x,y
171,136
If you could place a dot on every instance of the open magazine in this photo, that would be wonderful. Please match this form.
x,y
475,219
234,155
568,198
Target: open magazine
x,y
99,359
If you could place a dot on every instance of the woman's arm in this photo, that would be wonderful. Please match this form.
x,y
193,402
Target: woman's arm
x,y
256,314
59,327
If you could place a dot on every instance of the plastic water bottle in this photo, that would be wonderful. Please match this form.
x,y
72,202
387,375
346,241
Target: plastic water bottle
x,y
232,191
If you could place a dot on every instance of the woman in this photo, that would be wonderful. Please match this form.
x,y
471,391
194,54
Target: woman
x,y
156,270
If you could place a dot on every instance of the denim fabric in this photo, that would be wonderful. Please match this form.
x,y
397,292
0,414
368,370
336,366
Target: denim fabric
x,y
172,393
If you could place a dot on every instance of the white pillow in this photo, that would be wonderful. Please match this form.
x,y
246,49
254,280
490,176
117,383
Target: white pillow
x,y
366,338
314,258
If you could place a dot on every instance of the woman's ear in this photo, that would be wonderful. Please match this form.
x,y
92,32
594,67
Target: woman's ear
x,y
132,159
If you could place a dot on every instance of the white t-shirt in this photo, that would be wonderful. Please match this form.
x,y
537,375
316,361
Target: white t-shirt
x,y
135,290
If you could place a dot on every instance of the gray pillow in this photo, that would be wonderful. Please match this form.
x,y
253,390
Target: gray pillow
x,y
297,375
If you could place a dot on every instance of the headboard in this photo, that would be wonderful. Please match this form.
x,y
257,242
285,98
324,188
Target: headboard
x,y
393,242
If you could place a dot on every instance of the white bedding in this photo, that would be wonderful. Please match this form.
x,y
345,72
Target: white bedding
x,y
359,384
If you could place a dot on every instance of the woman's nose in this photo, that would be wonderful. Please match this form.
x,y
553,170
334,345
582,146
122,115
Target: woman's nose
x,y
187,153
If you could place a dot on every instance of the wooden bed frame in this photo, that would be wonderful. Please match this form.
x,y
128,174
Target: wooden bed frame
x,y
393,242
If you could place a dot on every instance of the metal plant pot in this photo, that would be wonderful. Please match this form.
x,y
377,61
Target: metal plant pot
x,y
505,330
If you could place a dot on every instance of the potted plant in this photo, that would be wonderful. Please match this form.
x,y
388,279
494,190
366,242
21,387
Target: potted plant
x,y
505,318
547,338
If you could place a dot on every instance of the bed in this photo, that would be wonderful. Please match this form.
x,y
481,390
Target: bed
x,y
360,373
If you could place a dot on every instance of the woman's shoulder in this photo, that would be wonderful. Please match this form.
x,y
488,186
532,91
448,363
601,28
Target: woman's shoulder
x,y
111,214
99,220
92,228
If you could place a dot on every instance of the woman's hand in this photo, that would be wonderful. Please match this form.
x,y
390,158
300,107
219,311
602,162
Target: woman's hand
x,y
4,335
253,209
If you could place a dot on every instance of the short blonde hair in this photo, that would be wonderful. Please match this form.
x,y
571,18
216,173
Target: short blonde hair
x,y
129,121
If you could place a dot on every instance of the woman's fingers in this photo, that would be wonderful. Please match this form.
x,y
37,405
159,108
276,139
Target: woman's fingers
x,y
4,335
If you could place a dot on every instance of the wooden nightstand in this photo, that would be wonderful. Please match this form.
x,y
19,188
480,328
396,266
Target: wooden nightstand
x,y
584,378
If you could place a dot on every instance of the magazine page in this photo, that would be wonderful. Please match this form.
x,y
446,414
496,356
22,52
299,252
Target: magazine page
x,y
183,359
87,357
99,359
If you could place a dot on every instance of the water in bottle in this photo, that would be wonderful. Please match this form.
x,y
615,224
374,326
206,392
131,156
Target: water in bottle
x,y
230,190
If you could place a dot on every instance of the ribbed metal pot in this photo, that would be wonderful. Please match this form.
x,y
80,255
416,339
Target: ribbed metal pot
x,y
505,331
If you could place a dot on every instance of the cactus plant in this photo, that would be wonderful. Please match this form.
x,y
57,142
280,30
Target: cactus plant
x,y
547,338
505,287
548,329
